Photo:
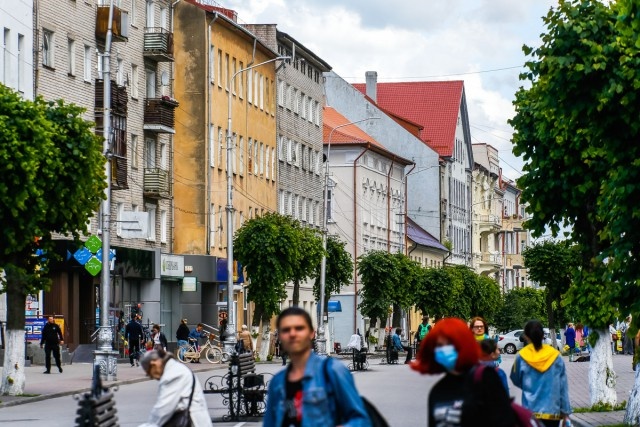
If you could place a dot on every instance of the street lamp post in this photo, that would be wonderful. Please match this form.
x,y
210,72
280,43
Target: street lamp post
x,y
230,341
322,340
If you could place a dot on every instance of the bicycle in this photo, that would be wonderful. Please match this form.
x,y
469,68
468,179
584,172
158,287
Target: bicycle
x,y
189,352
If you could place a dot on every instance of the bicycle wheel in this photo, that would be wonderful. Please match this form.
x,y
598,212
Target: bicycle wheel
x,y
214,355
186,353
225,357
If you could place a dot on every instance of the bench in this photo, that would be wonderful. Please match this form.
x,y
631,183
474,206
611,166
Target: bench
x,y
97,408
242,390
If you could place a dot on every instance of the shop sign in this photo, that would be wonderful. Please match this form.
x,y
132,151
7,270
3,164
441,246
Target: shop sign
x,y
172,266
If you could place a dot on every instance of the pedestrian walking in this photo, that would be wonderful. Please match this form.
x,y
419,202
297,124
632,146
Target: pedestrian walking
x,y
158,338
570,338
179,392
134,334
245,337
540,372
397,345
457,399
480,331
312,390
579,337
614,338
51,339
489,356
627,338
182,337
423,328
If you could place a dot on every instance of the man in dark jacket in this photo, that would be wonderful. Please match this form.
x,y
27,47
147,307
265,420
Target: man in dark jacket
x,y
51,339
134,333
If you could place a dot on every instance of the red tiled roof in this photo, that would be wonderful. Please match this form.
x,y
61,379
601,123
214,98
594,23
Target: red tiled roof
x,y
229,13
349,134
434,105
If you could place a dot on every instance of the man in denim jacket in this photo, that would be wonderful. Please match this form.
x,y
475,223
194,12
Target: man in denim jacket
x,y
298,395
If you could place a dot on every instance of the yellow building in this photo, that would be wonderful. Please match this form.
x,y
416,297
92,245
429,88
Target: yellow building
x,y
210,48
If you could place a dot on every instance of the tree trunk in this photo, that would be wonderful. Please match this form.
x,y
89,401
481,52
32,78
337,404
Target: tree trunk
x,y
265,345
602,377
396,320
296,293
551,318
632,415
13,376
257,315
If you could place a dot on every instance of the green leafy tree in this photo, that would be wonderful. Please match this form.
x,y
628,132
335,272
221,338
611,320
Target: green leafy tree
x,y
461,277
310,256
53,180
339,270
269,250
379,276
576,126
485,298
433,295
520,306
551,264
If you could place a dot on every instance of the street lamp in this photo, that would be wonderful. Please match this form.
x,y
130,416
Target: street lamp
x,y
322,341
230,341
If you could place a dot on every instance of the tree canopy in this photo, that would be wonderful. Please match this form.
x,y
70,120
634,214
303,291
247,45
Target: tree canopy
x,y
520,306
339,270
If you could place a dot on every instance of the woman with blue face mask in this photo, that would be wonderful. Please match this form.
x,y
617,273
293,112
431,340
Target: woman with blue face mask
x,y
457,400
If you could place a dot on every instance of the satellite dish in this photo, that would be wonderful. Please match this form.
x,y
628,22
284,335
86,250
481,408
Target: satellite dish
x,y
164,78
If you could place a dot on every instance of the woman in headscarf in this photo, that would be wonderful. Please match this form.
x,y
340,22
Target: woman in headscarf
x,y
458,399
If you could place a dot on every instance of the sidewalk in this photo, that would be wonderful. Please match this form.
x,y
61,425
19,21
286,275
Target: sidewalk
x,y
76,379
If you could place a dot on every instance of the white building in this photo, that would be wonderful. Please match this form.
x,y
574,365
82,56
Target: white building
x,y
16,50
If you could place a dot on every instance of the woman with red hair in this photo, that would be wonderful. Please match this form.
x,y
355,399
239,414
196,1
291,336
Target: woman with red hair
x,y
459,400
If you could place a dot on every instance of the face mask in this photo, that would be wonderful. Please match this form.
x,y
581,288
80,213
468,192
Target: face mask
x,y
446,356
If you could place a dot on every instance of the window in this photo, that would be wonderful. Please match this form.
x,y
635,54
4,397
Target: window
x,y
281,147
212,63
212,145
303,107
212,225
261,159
219,68
256,87
289,150
234,66
273,164
151,84
296,101
6,56
226,70
71,57
250,155
133,13
163,17
296,207
134,81
329,212
163,226
255,158
47,47
294,154
150,153
280,95
87,63
220,144
151,224
120,72
241,155
120,211
164,156
261,92
150,18
311,110
134,151
266,163
250,86
281,202
289,203
317,114
21,60
241,82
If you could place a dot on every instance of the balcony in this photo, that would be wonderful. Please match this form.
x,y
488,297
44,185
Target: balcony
x,y
158,44
514,261
159,115
156,183
489,262
488,224
119,23
512,223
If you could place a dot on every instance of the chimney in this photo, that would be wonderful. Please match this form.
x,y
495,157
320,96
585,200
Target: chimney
x,y
372,85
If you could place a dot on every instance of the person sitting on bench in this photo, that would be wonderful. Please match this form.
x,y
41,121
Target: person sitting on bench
x,y
397,345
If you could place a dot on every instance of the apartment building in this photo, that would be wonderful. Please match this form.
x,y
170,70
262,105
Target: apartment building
x,y
69,45
16,63
227,74
299,121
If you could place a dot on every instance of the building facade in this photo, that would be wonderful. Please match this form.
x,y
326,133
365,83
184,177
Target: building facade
x,y
16,50
366,193
68,64
221,80
299,120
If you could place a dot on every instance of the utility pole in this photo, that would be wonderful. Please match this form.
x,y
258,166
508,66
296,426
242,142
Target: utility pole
x,y
105,357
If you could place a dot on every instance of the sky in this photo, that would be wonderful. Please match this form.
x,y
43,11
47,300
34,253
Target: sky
x,y
478,41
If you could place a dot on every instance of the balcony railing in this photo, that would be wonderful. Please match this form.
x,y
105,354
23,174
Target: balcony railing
x,y
156,183
159,115
119,23
512,223
488,223
158,44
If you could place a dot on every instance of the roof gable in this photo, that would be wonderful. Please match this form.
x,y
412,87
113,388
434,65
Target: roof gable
x,y
422,237
433,105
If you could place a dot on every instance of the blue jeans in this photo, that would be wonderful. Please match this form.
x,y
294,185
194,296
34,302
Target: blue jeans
x,y
180,349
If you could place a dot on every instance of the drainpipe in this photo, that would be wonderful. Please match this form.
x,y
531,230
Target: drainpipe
x,y
208,147
389,194
406,179
355,236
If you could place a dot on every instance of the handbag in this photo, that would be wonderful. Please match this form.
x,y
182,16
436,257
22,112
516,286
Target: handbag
x,y
377,420
182,418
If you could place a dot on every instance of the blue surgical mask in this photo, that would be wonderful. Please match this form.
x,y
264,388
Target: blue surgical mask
x,y
447,356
